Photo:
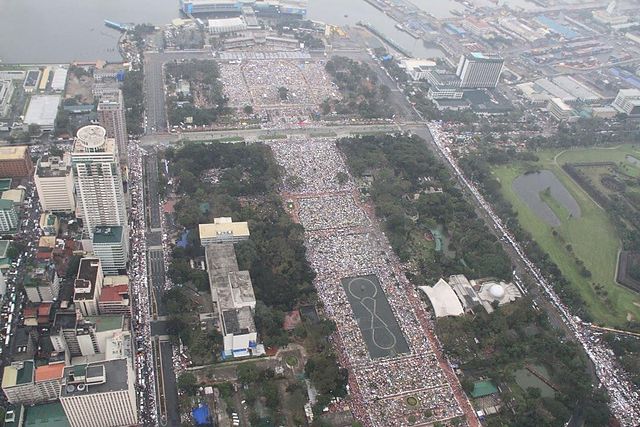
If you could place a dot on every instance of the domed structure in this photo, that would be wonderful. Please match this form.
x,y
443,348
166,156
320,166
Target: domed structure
x,y
92,138
496,291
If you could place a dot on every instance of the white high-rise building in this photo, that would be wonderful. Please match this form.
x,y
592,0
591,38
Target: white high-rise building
x,y
100,394
98,182
111,117
478,70
54,183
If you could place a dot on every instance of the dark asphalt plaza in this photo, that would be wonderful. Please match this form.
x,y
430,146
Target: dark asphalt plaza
x,y
372,311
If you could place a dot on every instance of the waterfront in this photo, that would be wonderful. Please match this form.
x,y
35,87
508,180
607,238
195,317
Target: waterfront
x,y
40,31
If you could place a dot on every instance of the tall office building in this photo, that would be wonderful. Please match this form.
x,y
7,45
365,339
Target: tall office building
x,y
478,70
109,244
98,182
100,394
54,182
111,117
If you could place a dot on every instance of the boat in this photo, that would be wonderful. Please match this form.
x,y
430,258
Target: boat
x,y
116,26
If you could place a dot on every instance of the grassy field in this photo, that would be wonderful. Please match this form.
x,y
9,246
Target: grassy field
x,y
592,237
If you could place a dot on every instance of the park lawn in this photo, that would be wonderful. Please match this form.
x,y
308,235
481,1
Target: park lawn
x,y
615,154
592,237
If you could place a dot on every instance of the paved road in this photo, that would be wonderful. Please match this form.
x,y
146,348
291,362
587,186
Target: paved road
x,y
170,386
168,393
153,201
260,134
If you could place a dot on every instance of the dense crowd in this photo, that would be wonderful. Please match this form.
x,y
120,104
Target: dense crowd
x,y
312,166
138,280
256,83
624,396
340,247
346,213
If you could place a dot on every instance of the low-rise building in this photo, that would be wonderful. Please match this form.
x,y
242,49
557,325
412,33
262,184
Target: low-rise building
x,y
50,224
42,111
417,69
233,299
628,102
15,162
227,25
560,110
223,230
42,284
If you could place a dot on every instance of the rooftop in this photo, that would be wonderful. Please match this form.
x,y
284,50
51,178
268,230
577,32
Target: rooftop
x,y
5,183
443,299
49,372
107,235
42,110
483,388
100,377
53,166
222,226
17,374
49,415
239,321
114,293
6,204
106,323
491,57
16,195
13,152
230,287
85,282
65,320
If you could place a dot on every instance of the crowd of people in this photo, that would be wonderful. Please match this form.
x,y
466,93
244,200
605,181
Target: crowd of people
x,y
257,83
346,213
138,281
312,166
339,248
624,396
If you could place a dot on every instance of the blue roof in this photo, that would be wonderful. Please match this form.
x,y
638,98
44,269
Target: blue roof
x,y
557,27
201,414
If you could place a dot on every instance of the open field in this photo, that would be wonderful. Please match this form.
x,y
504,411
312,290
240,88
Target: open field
x,y
592,237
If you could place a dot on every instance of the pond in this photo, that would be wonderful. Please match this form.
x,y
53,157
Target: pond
x,y
529,186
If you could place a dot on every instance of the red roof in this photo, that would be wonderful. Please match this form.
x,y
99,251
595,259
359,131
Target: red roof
x,y
49,372
113,293
30,312
44,309
44,254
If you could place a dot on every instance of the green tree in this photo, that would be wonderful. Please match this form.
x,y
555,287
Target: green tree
x,y
187,383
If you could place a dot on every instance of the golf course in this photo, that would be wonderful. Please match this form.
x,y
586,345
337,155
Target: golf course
x,y
572,228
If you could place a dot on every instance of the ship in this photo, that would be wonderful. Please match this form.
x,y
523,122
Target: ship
x,y
116,26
